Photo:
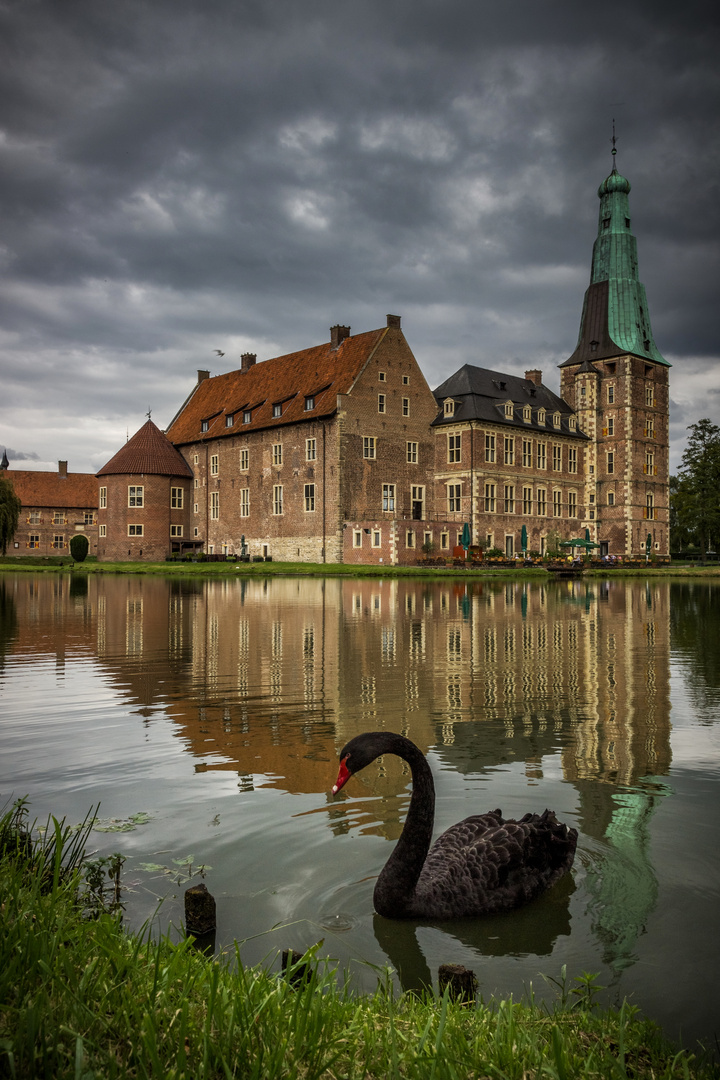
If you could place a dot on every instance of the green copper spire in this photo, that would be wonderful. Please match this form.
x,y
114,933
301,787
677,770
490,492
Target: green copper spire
x,y
615,317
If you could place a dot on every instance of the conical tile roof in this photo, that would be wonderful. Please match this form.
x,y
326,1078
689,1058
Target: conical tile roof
x,y
150,453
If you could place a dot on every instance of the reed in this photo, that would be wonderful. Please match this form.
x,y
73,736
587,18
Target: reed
x,y
81,998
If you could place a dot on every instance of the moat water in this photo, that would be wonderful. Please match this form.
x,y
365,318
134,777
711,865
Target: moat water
x,y
217,708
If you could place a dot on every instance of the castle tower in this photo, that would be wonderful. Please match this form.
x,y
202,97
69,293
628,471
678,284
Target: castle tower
x,y
617,382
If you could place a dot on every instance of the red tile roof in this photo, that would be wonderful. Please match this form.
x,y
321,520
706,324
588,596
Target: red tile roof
x,y
320,372
149,452
38,489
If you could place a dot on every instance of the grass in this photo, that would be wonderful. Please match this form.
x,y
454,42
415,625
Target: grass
x,y
82,999
54,564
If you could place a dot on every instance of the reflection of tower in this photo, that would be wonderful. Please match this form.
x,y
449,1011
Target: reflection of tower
x,y
617,382
622,884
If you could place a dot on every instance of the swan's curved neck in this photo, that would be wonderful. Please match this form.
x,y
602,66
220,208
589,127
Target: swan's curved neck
x,y
395,886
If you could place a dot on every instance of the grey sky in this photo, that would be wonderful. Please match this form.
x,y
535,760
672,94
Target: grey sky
x,y
180,177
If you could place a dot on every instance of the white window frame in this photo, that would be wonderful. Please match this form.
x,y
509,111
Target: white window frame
x,y
215,505
244,459
277,455
311,449
103,498
136,495
369,447
136,530
277,500
411,452
214,464
176,498
382,402
388,498
454,448
309,498
245,502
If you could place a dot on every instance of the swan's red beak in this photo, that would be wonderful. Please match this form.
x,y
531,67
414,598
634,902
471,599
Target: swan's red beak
x,y
343,777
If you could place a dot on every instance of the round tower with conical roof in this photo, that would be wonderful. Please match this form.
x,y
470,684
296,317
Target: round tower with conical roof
x,y
617,382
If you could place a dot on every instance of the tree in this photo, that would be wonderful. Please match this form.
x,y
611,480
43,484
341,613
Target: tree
x,y
10,506
79,547
696,492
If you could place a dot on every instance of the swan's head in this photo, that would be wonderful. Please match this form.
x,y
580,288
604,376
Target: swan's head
x,y
361,750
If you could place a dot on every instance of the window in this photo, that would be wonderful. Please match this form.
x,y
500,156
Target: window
x,y
244,459
34,540
215,505
572,504
277,454
449,407
277,499
309,403
412,453
406,406
557,503
229,420
611,498
454,447
572,459
196,483
417,499
247,416
649,427
176,530
541,502
489,447
611,461
527,500
557,457
89,518
34,515
196,508
244,502
509,450
541,416
136,496
59,541
309,497
611,394
204,425
196,458
357,538
509,499
542,455
176,498
527,453
388,496
650,464
556,419
376,538
369,446
406,380
649,506
310,449
410,539
103,498
103,530
59,517
490,498
381,403
583,392
135,530
454,493
609,426
277,409
509,410
214,464
381,376
649,396
572,423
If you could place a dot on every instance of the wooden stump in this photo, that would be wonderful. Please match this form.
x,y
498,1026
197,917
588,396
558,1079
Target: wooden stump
x,y
460,981
200,915
298,974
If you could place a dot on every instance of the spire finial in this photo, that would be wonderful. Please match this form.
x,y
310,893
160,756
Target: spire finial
x,y
613,141
149,414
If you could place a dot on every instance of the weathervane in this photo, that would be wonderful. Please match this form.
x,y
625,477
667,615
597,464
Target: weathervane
x,y
613,141
149,413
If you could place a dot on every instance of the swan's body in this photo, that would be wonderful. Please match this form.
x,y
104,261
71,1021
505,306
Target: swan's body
x,y
481,865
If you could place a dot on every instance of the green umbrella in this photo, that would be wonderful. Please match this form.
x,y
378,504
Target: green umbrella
x,y
523,539
648,546
465,539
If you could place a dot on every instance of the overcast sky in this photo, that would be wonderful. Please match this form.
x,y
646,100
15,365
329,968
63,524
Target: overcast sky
x,y
178,177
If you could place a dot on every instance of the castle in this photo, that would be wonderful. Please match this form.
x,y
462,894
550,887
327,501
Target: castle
x,y
342,453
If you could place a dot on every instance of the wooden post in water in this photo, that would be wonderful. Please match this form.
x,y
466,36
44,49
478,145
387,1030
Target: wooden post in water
x,y
200,917
460,981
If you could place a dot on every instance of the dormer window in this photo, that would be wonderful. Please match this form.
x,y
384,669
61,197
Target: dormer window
x,y
527,414
247,416
204,425
541,416
448,407
309,403
556,419
277,409
509,409
573,423
229,420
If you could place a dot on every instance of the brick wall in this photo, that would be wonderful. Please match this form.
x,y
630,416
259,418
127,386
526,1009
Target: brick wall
x,y
155,517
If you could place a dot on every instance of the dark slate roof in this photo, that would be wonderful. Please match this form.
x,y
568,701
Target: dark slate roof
x,y
481,394
148,453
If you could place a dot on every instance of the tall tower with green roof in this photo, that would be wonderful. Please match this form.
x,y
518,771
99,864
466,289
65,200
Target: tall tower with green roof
x,y
617,382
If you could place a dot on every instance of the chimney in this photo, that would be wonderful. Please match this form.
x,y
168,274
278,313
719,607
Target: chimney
x,y
338,335
62,468
534,376
247,360
202,376
394,321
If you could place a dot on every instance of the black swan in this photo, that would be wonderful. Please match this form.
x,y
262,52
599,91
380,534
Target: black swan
x,y
479,866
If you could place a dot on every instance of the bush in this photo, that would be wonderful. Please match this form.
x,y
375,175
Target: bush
x,y
79,547
494,553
